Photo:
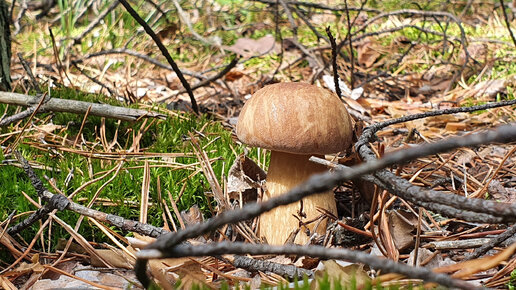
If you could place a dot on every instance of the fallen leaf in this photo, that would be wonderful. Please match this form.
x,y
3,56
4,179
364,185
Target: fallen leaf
x,y
342,274
244,178
248,47
192,216
401,225
233,75
367,55
116,257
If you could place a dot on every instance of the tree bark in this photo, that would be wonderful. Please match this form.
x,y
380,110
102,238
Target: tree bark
x,y
5,47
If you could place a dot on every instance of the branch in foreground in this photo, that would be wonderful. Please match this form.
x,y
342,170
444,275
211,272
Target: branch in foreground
x,y
429,199
326,181
79,107
322,182
314,251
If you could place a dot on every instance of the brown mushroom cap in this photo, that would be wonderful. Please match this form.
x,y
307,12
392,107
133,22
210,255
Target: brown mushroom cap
x,y
296,118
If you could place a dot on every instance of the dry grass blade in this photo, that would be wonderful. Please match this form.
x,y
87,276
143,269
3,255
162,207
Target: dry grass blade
x,y
218,193
144,200
112,238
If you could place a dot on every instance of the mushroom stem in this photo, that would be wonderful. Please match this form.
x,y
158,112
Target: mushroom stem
x,y
285,172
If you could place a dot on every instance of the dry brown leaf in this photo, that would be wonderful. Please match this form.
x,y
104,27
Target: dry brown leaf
x,y
367,55
401,229
455,126
466,157
192,216
168,32
191,274
233,75
244,178
26,268
248,47
338,273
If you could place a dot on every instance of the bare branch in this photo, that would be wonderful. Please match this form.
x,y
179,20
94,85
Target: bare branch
x,y
79,107
383,264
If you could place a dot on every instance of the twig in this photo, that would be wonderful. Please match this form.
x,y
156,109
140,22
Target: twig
x,y
17,117
164,51
55,202
254,265
320,6
309,24
79,107
334,62
207,81
27,69
322,182
110,91
314,251
289,16
138,55
186,20
95,22
507,23
492,243
350,42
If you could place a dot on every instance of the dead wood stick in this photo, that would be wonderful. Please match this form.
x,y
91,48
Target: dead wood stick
x,y
79,107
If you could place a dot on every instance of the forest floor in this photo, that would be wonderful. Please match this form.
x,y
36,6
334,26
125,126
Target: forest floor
x,y
175,169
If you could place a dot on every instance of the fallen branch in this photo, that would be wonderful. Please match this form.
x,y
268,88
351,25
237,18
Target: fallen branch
x,y
322,182
314,251
78,107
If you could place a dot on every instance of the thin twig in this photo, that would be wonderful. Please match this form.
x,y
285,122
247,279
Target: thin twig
x,y
492,243
320,6
164,51
507,23
27,69
207,81
138,55
78,39
314,251
334,62
350,43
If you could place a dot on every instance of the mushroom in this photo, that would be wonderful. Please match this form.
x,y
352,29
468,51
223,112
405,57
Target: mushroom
x,y
294,121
